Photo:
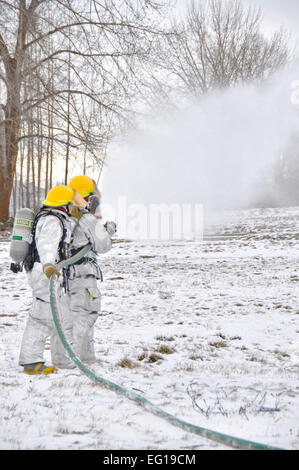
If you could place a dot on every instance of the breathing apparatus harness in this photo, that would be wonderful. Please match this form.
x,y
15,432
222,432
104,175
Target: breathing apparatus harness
x,y
92,201
63,247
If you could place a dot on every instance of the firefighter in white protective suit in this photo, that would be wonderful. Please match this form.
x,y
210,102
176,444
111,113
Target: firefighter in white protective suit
x,y
84,296
51,234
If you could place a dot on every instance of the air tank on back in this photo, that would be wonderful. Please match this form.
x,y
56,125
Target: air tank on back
x,y
21,235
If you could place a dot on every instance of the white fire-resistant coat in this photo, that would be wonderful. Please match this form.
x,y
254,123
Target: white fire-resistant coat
x,y
40,324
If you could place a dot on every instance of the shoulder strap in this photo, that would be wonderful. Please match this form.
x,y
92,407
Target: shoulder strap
x,y
44,213
33,255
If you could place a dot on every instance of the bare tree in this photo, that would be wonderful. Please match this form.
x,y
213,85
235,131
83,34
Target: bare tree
x,y
220,44
95,46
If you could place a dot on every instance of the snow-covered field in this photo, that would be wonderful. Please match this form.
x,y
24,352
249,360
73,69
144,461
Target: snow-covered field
x,y
206,331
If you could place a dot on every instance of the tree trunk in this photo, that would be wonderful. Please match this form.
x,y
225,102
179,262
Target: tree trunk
x,y
8,166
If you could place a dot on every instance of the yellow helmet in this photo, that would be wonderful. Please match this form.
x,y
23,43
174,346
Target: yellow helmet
x,y
82,184
59,196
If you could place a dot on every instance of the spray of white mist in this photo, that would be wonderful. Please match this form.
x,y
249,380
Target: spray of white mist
x,y
214,153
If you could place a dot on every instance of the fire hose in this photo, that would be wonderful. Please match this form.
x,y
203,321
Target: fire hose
x,y
225,439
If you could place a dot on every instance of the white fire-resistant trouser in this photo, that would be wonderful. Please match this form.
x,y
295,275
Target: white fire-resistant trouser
x,y
85,305
40,326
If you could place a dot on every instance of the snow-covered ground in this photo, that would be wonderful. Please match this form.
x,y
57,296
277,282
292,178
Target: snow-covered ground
x,y
206,331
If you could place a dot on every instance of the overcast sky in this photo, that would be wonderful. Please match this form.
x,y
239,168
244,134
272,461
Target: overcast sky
x,y
276,13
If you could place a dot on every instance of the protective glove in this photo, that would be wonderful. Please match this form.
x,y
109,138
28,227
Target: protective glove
x,y
50,269
76,212
110,227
